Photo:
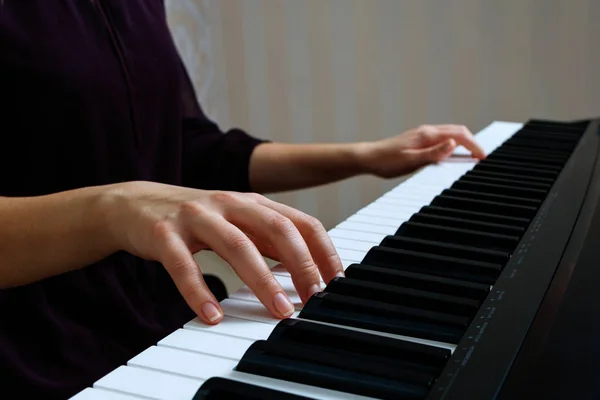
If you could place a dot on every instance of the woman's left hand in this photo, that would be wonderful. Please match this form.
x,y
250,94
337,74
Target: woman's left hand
x,y
426,144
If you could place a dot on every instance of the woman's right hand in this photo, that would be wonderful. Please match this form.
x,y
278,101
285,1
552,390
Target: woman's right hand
x,y
169,223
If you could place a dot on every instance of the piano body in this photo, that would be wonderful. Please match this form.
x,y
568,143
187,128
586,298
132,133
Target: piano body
x,y
466,281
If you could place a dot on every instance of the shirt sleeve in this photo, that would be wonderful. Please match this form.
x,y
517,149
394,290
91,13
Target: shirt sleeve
x,y
211,158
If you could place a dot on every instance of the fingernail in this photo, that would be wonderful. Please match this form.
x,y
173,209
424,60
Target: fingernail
x,y
211,312
340,274
313,289
283,304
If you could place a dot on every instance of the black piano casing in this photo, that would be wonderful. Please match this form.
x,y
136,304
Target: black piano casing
x,y
537,335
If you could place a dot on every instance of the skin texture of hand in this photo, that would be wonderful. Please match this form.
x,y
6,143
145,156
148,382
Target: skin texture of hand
x,y
170,223
415,148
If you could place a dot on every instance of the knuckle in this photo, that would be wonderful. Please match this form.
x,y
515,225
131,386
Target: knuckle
x,y
237,242
227,198
254,197
161,229
264,281
424,131
333,258
191,208
181,267
281,225
464,131
312,224
305,271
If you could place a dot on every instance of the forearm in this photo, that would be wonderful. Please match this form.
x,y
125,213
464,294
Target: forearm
x,y
47,235
278,167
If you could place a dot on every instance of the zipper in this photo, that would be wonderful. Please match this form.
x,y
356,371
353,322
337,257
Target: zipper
x,y
105,14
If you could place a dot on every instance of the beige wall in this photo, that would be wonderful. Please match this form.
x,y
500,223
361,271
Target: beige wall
x,y
343,70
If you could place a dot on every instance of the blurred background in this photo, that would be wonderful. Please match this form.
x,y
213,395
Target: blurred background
x,y
347,70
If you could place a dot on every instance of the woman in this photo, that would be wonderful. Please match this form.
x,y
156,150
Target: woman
x,y
111,178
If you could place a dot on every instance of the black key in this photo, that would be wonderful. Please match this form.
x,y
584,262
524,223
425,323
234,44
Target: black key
x,y
558,137
532,172
534,151
484,178
415,280
423,263
447,249
497,219
547,154
521,164
524,156
413,356
217,388
512,190
535,144
382,317
575,128
401,296
465,237
514,177
482,195
328,369
485,206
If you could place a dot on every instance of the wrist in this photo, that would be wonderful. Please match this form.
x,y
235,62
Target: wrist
x,y
107,204
363,157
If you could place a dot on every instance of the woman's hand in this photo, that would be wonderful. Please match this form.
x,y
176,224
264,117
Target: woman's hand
x,y
170,223
415,148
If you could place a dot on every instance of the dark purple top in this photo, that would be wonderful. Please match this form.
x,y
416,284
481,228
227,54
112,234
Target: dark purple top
x,y
93,92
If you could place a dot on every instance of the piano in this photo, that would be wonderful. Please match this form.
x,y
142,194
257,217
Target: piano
x,y
469,280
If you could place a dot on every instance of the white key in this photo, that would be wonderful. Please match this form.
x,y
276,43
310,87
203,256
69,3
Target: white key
x,y
249,310
150,384
412,189
403,207
401,210
361,227
208,342
101,394
351,255
202,367
181,362
361,236
286,284
383,210
376,210
391,222
403,201
232,326
281,271
352,244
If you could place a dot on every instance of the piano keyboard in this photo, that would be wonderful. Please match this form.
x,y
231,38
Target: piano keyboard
x,y
420,260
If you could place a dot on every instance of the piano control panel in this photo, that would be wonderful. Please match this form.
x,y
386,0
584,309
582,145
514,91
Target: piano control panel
x,y
444,277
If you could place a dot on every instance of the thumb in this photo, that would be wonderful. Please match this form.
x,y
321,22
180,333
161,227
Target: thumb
x,y
436,153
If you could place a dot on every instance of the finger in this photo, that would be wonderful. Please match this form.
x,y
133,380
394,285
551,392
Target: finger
x,y
231,244
280,232
434,154
318,241
187,276
266,249
432,135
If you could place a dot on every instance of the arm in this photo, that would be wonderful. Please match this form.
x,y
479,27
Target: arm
x,y
278,166
48,235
